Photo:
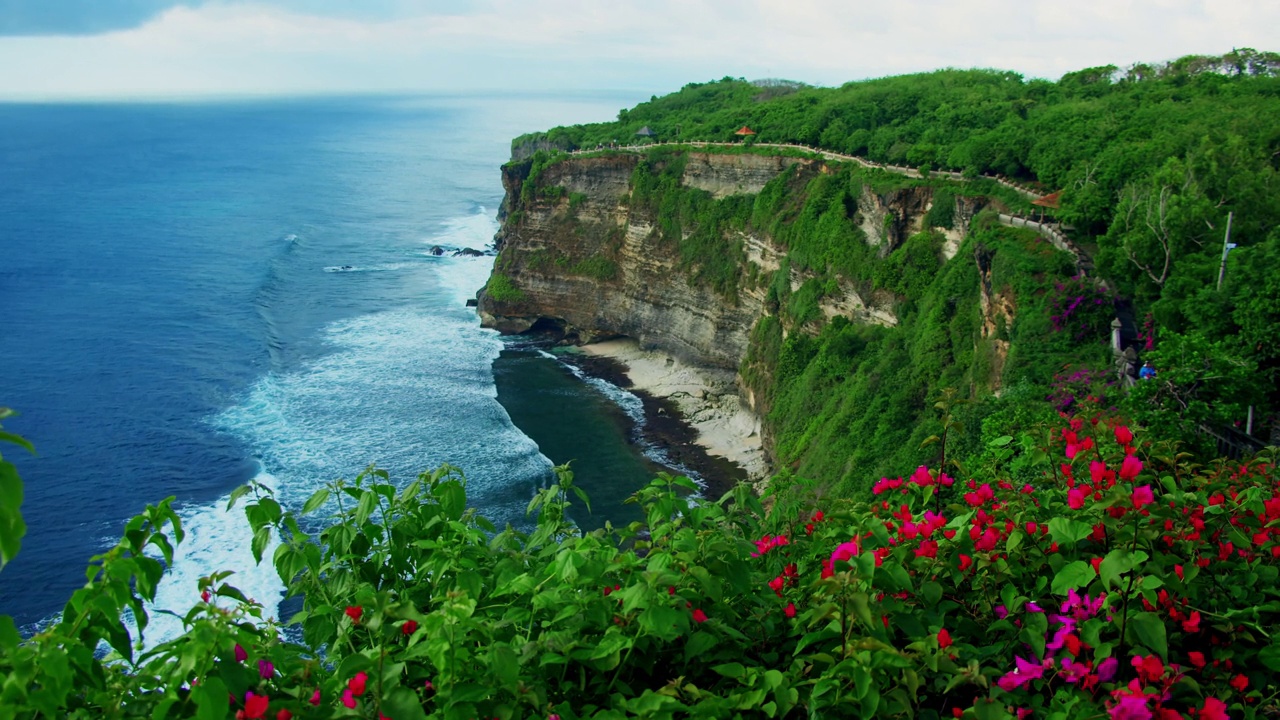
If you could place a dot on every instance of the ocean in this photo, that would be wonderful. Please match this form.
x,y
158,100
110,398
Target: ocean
x,y
193,295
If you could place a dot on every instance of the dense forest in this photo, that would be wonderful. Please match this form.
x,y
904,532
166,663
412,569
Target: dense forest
x,y
1152,162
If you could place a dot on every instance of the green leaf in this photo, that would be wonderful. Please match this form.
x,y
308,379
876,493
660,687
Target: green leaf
x,y
1270,657
1001,441
368,503
237,494
1067,531
990,710
261,537
1075,575
1148,629
211,699
18,440
730,670
1118,562
932,593
313,503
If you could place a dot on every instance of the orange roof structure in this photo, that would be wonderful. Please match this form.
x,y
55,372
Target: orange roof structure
x,y
744,130
1050,201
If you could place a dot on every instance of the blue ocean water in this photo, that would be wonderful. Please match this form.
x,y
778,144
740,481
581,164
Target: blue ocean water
x,y
193,295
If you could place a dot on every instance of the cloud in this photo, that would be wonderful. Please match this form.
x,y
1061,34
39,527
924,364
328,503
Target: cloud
x,y
658,45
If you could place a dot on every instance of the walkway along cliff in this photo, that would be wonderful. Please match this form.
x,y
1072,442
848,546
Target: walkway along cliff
x,y
785,272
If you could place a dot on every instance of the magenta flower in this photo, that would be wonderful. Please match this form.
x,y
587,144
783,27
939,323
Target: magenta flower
x,y
1130,707
1107,669
1025,672
1143,496
241,655
1130,468
844,551
348,699
266,669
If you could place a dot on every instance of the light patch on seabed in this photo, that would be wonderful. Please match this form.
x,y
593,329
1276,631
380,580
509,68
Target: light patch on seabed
x,y
407,388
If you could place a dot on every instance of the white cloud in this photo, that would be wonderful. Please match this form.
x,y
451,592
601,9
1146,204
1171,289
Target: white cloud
x,y
233,48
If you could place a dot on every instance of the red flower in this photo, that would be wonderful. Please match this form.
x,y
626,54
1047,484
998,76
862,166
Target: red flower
x,y
315,698
1149,668
699,616
284,715
671,590
348,699
354,612
790,610
241,655
1214,709
255,706
1123,436
357,683
1192,624
1097,564
965,562
204,595
944,639
1196,658
1239,682
409,627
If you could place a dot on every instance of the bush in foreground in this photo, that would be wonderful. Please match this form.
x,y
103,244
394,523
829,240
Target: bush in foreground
x,y
1120,584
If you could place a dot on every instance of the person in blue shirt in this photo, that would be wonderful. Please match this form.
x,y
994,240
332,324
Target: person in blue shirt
x,y
1147,372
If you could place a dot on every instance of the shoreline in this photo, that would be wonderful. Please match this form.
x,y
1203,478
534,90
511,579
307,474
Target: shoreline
x,y
684,406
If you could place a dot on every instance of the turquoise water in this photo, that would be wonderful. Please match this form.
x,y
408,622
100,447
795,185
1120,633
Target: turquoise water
x,y
195,295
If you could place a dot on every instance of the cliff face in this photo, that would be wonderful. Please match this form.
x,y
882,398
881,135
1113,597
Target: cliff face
x,y
579,260
587,254
585,265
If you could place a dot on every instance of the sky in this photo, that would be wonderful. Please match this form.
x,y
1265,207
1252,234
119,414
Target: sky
x,y
101,49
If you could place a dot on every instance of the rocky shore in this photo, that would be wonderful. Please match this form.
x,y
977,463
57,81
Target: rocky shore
x,y
698,406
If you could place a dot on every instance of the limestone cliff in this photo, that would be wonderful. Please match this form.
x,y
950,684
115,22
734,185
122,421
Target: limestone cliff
x,y
582,257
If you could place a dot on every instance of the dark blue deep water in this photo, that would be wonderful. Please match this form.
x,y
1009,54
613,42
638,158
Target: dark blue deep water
x,y
194,295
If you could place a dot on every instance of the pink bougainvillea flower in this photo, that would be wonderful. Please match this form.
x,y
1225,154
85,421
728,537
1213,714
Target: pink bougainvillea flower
x,y
1123,435
699,616
1130,468
944,639
1001,612
1072,671
265,669
241,655
790,610
1025,672
255,706
1107,669
844,551
1142,496
357,684
927,549
354,612
1130,707
315,698
348,699
1214,709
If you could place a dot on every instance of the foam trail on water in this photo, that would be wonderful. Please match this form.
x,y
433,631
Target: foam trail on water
x,y
407,389
633,406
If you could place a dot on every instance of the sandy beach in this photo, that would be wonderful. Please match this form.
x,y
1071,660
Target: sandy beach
x,y
707,400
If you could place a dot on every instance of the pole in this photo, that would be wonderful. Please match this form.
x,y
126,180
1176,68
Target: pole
x,y
1222,270
1248,427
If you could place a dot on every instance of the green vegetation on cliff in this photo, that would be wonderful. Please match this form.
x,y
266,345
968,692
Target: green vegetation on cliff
x,y
1150,161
